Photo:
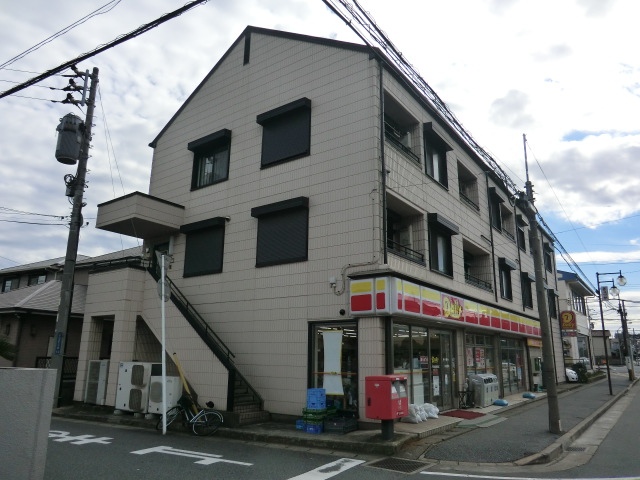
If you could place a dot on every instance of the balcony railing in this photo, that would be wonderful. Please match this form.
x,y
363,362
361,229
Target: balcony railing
x,y
475,281
405,252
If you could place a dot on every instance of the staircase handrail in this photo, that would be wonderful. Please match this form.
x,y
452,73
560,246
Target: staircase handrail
x,y
200,323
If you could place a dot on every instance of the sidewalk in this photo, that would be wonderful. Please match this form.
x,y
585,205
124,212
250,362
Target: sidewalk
x,y
516,433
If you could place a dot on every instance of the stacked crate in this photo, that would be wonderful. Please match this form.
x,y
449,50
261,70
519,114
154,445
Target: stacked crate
x,y
313,416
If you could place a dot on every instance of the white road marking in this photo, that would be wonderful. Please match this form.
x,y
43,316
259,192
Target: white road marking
x,y
205,458
60,436
329,470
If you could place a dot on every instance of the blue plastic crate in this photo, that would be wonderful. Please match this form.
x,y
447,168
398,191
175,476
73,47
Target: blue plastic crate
x,y
316,398
311,428
300,424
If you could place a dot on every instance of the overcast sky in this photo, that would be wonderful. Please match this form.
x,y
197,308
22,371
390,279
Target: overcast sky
x,y
565,73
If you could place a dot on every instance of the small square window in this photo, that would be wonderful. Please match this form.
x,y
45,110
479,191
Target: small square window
x,y
204,248
9,284
286,132
283,231
210,159
37,279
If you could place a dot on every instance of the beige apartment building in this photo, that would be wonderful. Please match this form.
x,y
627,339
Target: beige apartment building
x,y
324,223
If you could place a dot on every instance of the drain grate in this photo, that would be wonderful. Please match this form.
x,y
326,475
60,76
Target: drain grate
x,y
398,465
576,449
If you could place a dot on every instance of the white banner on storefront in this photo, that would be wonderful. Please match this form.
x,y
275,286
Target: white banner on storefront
x,y
332,381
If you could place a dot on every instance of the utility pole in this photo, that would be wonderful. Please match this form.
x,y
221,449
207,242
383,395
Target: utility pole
x,y
548,362
628,355
66,289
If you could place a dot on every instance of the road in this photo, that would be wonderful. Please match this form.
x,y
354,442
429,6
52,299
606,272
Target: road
x,y
80,450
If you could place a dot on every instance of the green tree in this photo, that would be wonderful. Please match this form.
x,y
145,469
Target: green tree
x,y
7,350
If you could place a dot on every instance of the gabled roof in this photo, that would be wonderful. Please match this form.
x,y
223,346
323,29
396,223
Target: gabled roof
x,y
264,31
42,298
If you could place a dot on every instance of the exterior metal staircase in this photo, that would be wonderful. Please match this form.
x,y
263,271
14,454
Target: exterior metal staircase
x,y
243,401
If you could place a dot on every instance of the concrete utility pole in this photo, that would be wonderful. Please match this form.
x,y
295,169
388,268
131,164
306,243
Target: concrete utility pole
x,y
66,289
548,362
628,349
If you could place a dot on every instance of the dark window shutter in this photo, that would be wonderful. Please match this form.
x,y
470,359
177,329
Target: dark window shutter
x,y
204,252
282,237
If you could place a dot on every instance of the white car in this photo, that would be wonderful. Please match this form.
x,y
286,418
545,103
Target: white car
x,y
572,376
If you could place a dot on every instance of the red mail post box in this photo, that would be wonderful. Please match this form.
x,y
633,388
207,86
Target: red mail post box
x,y
386,397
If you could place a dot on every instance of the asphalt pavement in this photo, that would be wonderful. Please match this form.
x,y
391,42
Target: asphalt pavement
x,y
517,434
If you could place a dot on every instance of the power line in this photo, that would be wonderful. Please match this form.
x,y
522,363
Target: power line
x,y
117,41
61,32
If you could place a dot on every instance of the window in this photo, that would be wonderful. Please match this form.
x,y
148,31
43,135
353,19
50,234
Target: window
x,y
283,230
400,128
551,298
210,159
435,155
505,266
37,279
548,257
477,266
286,132
440,250
468,187
9,284
405,231
204,247
495,203
507,218
521,238
526,279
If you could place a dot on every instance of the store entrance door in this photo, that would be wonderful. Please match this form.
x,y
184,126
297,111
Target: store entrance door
x,y
442,368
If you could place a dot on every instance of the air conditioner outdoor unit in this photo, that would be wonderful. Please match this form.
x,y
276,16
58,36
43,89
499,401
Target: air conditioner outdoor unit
x,y
95,390
133,386
174,392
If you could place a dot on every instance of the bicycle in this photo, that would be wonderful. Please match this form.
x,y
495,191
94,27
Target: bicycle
x,y
205,422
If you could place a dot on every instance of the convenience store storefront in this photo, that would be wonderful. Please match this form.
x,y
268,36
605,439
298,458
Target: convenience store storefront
x,y
438,338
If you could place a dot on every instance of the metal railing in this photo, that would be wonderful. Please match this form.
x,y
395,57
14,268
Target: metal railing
x,y
473,280
405,252
211,338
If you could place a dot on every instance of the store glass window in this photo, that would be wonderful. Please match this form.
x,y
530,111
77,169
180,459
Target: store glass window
x,y
479,354
426,357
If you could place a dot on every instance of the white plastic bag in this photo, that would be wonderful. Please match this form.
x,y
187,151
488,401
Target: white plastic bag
x,y
431,410
413,416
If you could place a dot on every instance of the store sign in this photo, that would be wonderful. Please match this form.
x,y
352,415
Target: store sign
x,y
568,320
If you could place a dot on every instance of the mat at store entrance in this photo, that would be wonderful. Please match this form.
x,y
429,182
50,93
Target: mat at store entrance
x,y
466,414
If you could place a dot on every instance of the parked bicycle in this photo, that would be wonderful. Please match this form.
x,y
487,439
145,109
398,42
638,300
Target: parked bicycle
x,y
203,421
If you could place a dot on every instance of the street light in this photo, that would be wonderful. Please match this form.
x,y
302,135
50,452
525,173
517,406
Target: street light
x,y
614,291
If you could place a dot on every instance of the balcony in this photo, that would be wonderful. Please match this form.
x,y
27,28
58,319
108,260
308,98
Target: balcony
x,y
476,282
141,216
405,252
